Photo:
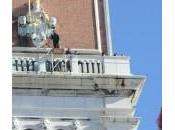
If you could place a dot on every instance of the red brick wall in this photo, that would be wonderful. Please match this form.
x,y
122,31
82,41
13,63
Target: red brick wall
x,y
75,20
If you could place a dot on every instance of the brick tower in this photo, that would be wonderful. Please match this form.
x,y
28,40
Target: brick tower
x,y
80,88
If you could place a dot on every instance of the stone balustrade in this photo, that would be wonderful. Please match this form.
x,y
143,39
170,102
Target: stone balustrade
x,y
76,64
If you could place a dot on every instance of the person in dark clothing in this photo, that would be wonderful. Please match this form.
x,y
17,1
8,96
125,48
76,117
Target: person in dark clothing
x,y
102,54
55,38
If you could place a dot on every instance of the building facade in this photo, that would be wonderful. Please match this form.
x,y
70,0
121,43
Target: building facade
x,y
86,88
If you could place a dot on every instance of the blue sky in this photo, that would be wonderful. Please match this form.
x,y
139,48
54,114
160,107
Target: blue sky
x,y
137,32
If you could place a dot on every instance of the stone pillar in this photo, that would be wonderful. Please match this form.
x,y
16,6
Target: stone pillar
x,y
117,65
74,65
42,66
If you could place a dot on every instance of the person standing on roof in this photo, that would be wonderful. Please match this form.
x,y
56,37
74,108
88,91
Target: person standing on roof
x,y
55,38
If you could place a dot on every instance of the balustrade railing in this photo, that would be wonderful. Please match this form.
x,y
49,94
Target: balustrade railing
x,y
70,63
55,63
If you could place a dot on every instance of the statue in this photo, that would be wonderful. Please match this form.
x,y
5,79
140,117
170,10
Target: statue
x,y
36,5
36,24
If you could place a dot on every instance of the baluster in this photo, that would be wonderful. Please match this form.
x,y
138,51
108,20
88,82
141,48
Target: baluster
x,y
22,67
16,65
37,67
93,67
33,65
98,67
13,65
90,66
59,66
48,66
63,66
30,64
102,67
84,67
24,64
80,63
87,66
27,65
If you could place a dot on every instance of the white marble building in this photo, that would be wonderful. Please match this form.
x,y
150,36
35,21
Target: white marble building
x,y
54,91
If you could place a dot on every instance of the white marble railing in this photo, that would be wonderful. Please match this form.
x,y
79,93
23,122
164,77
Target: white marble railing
x,y
88,64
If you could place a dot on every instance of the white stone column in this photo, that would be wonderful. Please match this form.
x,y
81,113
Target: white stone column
x,y
41,64
90,67
95,68
101,68
84,67
42,67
